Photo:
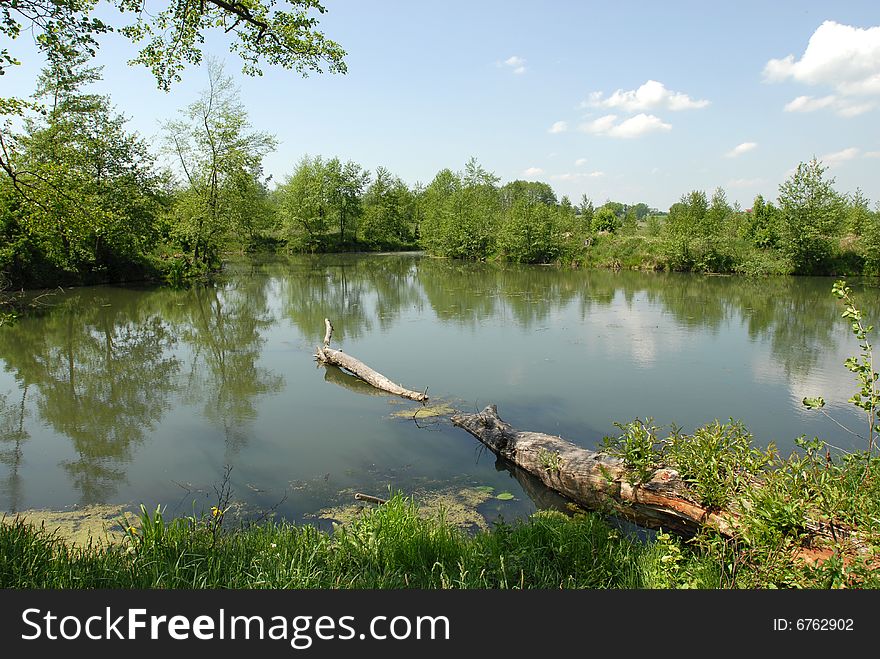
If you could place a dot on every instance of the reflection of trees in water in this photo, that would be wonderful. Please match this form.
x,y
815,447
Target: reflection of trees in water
x,y
222,327
470,293
315,288
12,436
353,291
396,285
102,376
797,315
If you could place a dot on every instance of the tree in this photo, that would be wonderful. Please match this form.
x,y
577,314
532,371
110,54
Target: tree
x,y
717,214
173,36
641,210
586,210
387,211
858,213
438,201
605,220
88,195
762,223
687,217
216,151
353,180
533,191
810,211
528,232
871,242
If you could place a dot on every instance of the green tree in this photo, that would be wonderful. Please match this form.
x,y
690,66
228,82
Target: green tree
x,y
533,191
437,202
215,149
173,36
641,210
87,192
258,32
871,243
605,220
528,233
810,212
717,215
586,210
462,213
352,182
762,223
387,211
687,217
858,213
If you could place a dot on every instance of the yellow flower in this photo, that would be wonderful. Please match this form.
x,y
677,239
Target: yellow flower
x,y
215,511
132,530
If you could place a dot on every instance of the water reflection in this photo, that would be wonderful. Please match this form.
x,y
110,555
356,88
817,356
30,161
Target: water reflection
x,y
117,374
101,376
222,328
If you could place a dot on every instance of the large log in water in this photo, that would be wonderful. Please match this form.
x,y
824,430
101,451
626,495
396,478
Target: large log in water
x,y
328,355
595,480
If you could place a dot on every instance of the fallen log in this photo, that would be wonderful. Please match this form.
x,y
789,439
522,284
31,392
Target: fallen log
x,y
595,480
369,498
348,381
328,355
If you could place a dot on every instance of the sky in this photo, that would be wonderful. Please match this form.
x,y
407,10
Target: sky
x,y
627,101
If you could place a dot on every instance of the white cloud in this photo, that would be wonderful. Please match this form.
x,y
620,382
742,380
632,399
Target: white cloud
x,y
580,162
872,154
844,107
600,125
518,64
639,125
576,176
740,149
842,57
832,159
652,95
636,126
558,127
532,172
745,182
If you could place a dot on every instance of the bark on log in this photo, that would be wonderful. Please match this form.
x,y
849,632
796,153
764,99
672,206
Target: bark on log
x,y
595,480
328,355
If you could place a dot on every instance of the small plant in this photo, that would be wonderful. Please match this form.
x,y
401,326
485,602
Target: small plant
x,y
717,461
636,447
550,460
868,396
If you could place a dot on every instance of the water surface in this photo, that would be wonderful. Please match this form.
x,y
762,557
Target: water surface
x,y
129,395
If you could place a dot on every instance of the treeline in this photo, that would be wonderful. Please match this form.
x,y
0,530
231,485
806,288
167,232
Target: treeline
x,y
84,200
810,228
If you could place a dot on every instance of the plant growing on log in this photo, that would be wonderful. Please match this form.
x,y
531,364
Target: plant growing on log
x,y
638,447
717,461
550,460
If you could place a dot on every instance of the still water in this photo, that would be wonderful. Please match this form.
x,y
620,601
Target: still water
x,y
125,395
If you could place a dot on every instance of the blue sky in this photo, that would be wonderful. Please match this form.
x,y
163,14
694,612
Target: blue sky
x,y
628,101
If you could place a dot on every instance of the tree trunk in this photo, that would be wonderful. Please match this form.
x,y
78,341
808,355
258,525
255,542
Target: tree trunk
x,y
328,355
595,480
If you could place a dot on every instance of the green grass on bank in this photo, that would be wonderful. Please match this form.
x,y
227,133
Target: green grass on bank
x,y
391,547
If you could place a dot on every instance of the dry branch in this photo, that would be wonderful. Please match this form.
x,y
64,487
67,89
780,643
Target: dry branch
x,y
328,355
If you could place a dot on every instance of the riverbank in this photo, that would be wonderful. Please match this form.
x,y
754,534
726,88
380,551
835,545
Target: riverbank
x,y
394,547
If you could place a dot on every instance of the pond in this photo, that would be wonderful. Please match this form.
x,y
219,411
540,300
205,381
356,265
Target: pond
x,y
126,395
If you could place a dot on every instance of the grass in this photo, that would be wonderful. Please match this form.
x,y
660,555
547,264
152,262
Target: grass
x,y
394,547
391,547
